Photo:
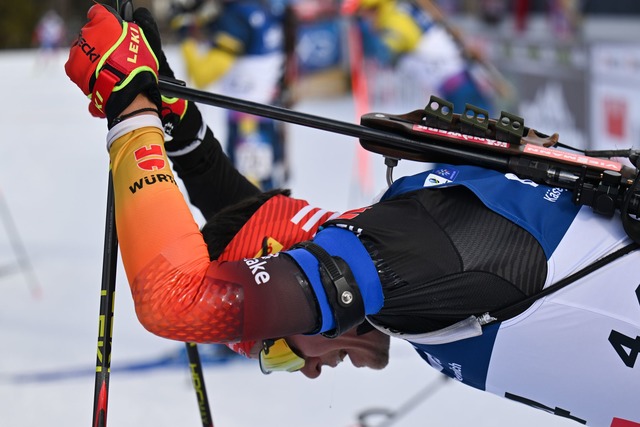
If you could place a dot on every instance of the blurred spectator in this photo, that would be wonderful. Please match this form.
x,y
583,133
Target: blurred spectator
x,y
239,49
48,36
422,49
50,31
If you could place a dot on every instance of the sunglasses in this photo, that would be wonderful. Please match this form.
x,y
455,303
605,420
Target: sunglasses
x,y
276,355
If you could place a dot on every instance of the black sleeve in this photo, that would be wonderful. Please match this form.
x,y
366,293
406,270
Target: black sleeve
x,y
210,178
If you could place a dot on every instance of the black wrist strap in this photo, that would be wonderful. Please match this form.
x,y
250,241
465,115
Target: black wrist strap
x,y
131,114
341,288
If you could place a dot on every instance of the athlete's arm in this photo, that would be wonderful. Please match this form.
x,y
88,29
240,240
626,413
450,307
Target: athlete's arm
x,y
210,178
178,292
176,289
197,157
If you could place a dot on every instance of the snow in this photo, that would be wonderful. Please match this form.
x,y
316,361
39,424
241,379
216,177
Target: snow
x,y
53,178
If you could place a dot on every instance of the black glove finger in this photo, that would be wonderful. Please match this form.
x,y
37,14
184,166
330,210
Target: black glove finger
x,y
142,16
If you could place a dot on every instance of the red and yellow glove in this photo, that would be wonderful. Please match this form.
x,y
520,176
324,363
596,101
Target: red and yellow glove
x,y
112,62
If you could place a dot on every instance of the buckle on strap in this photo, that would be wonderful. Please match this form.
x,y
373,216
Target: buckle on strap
x,y
341,288
102,89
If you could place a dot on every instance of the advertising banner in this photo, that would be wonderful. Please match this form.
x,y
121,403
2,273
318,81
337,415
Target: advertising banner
x,y
615,88
551,80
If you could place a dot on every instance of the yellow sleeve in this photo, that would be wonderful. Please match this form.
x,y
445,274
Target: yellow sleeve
x,y
205,68
152,216
399,31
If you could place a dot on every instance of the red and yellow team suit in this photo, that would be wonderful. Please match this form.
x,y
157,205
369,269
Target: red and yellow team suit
x,y
178,292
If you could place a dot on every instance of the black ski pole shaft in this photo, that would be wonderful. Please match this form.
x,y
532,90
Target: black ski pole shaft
x,y
197,378
414,401
176,88
107,291
105,318
390,417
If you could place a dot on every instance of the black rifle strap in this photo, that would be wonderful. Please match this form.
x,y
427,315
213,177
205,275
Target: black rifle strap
x,y
515,309
343,293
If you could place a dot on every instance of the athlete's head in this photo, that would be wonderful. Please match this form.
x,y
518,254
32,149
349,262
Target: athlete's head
x,y
309,353
227,237
370,350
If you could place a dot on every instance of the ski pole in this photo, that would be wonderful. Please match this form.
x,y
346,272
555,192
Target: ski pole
x,y
197,378
105,318
108,290
103,365
176,88
392,416
18,248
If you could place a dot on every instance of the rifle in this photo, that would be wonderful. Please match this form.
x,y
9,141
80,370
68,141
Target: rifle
x,y
436,134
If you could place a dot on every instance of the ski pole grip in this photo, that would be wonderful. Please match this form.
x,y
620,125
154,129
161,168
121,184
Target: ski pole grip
x,y
126,10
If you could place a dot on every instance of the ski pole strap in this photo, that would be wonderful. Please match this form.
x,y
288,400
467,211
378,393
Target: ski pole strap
x,y
515,309
341,288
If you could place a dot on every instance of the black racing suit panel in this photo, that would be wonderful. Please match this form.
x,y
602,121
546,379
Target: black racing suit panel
x,y
442,256
211,180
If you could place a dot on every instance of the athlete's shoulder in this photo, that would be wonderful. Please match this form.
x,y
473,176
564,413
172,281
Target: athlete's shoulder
x,y
480,181
277,225
546,212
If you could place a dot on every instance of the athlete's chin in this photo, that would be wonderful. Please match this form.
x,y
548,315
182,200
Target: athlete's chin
x,y
377,363
372,365
380,364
